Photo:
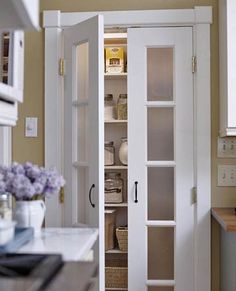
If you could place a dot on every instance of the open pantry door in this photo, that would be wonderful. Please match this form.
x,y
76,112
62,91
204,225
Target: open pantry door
x,y
84,128
161,173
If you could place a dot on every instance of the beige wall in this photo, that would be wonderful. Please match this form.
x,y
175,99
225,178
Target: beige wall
x,y
33,148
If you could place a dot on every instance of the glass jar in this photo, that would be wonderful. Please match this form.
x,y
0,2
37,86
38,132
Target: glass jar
x,y
109,153
122,107
109,110
5,208
113,188
123,151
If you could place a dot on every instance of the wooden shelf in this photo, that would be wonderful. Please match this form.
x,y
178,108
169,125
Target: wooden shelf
x,y
115,121
118,289
116,167
115,251
125,204
115,76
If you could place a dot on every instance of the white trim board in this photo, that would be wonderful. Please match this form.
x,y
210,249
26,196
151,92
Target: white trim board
x,y
200,14
5,145
200,19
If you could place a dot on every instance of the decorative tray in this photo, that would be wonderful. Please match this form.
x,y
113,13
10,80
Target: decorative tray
x,y
21,237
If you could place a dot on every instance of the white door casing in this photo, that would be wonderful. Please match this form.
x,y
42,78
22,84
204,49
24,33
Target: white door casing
x,y
200,19
84,129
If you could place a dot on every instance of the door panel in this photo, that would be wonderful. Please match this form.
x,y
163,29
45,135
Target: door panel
x,y
84,129
160,95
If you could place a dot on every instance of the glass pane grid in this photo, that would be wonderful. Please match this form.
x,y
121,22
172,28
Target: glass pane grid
x,y
160,107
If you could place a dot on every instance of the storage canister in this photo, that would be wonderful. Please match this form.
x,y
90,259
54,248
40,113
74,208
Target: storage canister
x,y
109,110
5,208
109,154
122,107
113,188
123,151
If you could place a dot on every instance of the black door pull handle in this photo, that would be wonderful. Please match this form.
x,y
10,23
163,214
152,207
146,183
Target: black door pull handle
x,y
90,193
136,192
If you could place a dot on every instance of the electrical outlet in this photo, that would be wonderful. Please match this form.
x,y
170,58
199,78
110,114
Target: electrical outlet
x,y
226,147
227,175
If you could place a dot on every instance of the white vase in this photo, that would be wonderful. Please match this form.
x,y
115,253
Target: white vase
x,y
30,214
123,151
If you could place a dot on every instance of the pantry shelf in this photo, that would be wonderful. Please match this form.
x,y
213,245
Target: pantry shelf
x,y
115,251
118,289
115,75
116,121
125,204
116,167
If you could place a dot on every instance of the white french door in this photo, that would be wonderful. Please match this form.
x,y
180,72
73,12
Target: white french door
x,y
84,129
160,138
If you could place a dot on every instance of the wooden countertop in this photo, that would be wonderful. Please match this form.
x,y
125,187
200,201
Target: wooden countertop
x,y
225,217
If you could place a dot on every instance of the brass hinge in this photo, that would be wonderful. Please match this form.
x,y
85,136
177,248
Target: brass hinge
x,y
62,195
61,67
194,195
194,64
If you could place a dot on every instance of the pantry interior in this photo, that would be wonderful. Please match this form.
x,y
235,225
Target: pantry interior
x,y
115,160
160,68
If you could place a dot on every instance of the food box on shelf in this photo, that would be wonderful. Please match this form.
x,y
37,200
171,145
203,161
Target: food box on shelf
x,y
110,221
114,60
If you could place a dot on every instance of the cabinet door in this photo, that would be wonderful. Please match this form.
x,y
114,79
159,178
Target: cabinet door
x,y
84,127
160,137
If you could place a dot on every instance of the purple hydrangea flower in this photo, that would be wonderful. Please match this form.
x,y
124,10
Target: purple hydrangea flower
x,y
27,181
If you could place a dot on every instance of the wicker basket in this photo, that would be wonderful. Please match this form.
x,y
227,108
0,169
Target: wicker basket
x,y
116,274
122,237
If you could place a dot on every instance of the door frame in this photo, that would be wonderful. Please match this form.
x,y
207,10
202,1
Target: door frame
x,y
200,19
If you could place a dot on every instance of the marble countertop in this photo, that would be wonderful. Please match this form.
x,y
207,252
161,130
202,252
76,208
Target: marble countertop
x,y
73,243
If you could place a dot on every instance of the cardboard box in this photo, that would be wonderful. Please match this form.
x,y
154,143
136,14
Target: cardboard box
x,y
114,60
110,221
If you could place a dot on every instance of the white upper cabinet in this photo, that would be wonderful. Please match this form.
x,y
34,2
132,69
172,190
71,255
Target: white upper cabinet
x,y
19,14
15,16
227,46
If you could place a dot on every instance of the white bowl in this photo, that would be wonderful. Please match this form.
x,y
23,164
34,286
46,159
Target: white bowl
x,y
7,231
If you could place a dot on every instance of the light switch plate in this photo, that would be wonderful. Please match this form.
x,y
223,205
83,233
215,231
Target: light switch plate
x,y
31,126
227,175
226,147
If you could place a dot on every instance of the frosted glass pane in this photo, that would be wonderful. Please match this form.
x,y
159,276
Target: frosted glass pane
x,y
82,133
160,253
162,288
161,193
82,75
160,74
160,134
